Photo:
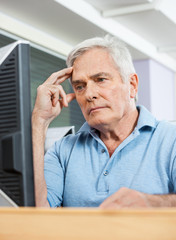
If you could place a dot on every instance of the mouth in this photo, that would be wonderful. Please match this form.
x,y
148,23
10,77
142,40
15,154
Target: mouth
x,y
95,109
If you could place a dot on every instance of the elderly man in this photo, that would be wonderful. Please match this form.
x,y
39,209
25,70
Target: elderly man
x,y
122,156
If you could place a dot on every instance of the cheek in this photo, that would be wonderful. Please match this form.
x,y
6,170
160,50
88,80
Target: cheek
x,y
117,95
111,94
80,102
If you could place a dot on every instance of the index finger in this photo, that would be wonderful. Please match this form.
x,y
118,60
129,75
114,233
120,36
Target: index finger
x,y
60,76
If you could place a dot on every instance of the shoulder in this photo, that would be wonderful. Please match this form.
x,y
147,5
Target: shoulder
x,y
63,147
165,134
73,139
146,119
166,128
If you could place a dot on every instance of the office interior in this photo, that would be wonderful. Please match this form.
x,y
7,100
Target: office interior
x,y
53,27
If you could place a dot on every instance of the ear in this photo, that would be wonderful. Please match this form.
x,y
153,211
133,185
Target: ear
x,y
133,80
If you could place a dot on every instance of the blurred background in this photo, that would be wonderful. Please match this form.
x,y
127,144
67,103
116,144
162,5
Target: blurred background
x,y
53,27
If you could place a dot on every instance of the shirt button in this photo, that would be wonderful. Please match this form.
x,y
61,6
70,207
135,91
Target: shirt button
x,y
106,173
103,150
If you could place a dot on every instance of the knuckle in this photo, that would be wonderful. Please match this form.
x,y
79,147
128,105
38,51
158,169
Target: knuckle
x,y
40,88
63,70
53,74
60,87
123,189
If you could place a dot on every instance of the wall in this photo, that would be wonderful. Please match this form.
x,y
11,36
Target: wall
x,y
156,89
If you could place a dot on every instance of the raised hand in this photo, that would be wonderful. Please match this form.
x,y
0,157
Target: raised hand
x,y
51,97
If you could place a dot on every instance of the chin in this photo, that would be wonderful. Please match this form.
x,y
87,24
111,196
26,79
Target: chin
x,y
97,123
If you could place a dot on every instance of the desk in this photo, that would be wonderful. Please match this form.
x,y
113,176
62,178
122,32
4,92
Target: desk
x,y
89,224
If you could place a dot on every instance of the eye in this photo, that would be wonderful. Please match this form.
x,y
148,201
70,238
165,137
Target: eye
x,y
101,79
78,87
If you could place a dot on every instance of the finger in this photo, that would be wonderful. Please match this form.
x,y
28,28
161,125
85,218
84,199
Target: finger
x,y
62,97
70,97
111,199
111,206
59,76
54,93
57,94
54,98
62,79
117,196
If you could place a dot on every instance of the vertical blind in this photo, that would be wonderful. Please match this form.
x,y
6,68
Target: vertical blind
x,y
42,65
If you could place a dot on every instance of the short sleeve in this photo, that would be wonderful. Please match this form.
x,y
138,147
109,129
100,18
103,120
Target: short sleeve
x,y
173,168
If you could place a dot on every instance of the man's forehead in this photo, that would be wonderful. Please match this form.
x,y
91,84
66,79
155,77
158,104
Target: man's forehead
x,y
91,76
94,63
93,55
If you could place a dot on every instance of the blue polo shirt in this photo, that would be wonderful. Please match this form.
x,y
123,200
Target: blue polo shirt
x,y
80,173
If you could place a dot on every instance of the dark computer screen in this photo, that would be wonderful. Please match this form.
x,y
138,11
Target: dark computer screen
x,y
16,165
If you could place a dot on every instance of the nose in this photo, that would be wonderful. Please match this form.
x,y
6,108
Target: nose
x,y
91,92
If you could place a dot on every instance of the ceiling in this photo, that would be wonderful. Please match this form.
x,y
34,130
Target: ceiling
x,y
147,26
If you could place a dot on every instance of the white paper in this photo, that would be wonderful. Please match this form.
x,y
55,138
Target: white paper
x,y
55,134
5,201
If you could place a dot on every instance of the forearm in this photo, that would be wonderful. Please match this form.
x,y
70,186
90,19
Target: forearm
x,y
38,137
168,200
129,198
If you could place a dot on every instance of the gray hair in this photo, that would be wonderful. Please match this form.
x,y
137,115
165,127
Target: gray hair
x,y
117,50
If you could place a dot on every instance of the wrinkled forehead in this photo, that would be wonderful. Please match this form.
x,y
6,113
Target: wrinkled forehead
x,y
79,52
92,62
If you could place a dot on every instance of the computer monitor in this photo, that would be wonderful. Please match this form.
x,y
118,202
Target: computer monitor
x,y
16,165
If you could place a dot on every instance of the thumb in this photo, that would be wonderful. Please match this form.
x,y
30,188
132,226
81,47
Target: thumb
x,y
70,97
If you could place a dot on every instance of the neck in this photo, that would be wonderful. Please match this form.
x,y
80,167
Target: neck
x,y
113,136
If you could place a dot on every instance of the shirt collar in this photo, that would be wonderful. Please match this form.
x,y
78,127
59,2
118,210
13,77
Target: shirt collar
x,y
86,128
145,119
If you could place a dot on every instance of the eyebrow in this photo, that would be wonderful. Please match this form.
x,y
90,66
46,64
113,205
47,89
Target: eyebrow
x,y
100,74
74,82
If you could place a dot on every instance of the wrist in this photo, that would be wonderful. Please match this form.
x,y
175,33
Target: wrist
x,y
39,120
39,124
168,200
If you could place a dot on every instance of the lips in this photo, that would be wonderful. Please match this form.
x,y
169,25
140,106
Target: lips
x,y
94,109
